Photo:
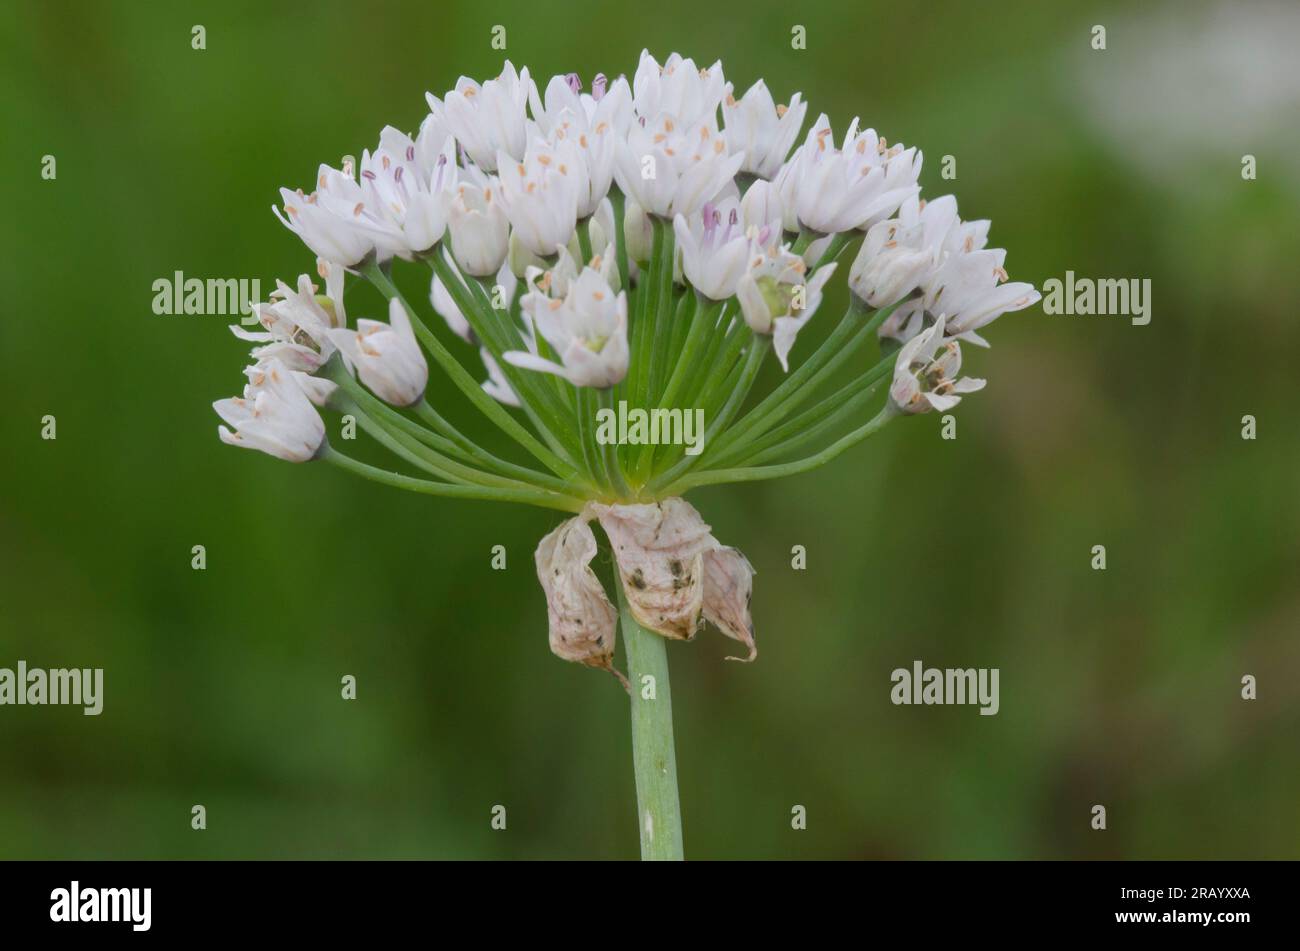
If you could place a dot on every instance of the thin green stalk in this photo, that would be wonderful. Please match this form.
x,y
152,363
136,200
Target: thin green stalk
x,y
808,427
760,344
424,486
662,329
613,471
470,451
654,759
539,403
756,473
844,341
584,241
587,435
467,384
620,239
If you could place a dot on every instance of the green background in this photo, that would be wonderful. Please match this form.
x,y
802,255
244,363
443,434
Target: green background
x,y
1119,687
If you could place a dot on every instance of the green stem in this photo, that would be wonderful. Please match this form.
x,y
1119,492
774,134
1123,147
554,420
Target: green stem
x,y
756,473
613,471
654,760
399,481
620,240
466,383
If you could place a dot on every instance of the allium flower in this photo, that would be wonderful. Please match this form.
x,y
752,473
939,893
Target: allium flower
x,y
297,323
762,130
898,254
622,369
541,192
273,415
716,249
963,280
678,88
414,200
776,299
386,356
670,168
834,190
926,374
487,119
969,288
334,221
762,206
480,230
587,328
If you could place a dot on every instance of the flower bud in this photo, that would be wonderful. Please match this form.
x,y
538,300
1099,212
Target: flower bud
x,y
386,356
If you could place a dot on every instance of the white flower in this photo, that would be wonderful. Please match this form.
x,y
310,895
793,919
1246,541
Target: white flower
x,y
761,129
593,124
898,254
425,150
715,248
480,231
335,220
560,277
638,232
297,322
605,103
836,190
969,289
965,282
540,194
926,373
776,300
487,119
274,415
587,328
678,88
386,356
762,206
670,168
413,199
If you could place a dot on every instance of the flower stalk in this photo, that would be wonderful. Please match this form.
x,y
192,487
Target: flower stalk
x,y
654,757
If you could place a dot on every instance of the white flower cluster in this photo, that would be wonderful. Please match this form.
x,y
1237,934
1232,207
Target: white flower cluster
x,y
505,180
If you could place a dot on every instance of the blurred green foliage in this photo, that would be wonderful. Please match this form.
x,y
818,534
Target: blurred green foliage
x,y
222,686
